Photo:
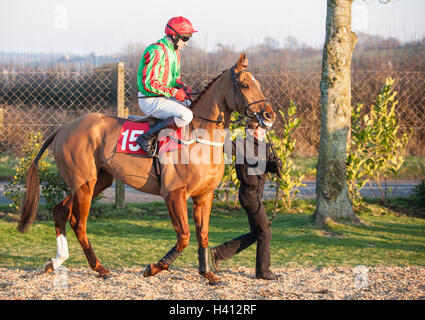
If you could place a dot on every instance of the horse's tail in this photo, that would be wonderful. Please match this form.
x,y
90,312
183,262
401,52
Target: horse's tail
x,y
32,193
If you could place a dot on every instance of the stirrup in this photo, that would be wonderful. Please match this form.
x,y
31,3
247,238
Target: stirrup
x,y
144,144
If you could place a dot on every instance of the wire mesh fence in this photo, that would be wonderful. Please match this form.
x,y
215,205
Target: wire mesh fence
x,y
40,100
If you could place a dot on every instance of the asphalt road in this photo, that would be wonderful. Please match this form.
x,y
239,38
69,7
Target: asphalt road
x,y
403,189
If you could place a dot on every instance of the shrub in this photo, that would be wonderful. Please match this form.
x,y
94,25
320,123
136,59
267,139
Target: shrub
x,y
291,178
377,150
419,194
227,191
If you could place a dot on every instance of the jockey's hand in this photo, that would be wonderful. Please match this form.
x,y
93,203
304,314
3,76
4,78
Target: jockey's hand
x,y
181,95
279,163
188,90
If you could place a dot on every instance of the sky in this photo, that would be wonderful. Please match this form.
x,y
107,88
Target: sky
x,y
107,27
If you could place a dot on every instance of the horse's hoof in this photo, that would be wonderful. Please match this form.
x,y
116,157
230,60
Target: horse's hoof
x,y
213,280
147,272
154,268
103,272
48,267
104,276
218,283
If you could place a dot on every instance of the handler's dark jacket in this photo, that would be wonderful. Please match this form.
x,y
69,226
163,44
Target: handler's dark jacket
x,y
250,197
251,182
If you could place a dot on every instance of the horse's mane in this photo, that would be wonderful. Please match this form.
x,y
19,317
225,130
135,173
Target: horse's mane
x,y
206,89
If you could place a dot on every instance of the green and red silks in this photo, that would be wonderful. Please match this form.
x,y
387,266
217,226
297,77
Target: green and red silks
x,y
159,70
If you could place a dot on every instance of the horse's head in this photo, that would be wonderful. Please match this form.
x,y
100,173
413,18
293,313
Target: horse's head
x,y
247,97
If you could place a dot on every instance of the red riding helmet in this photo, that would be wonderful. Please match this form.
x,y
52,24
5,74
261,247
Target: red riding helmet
x,y
179,24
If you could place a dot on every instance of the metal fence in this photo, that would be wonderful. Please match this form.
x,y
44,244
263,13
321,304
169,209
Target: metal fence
x,y
44,100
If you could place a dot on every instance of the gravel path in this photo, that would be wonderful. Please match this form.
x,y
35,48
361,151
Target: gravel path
x,y
344,283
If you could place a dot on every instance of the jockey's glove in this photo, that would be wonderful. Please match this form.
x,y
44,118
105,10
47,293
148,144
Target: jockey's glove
x,y
181,95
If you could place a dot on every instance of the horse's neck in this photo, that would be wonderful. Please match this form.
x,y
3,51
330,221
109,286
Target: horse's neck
x,y
212,106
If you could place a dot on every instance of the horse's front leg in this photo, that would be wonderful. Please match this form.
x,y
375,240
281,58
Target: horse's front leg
x,y
177,207
201,214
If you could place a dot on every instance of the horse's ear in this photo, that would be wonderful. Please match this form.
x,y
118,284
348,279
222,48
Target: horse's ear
x,y
242,63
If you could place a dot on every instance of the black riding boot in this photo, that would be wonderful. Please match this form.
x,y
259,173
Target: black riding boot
x,y
148,140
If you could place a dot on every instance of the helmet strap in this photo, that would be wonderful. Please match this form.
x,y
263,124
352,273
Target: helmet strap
x,y
175,38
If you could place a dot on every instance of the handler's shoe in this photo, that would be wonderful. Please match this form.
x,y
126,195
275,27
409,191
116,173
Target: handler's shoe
x,y
215,259
269,276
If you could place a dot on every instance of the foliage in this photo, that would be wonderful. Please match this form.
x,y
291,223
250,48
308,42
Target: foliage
x,y
291,178
419,194
229,185
14,190
358,154
377,149
53,187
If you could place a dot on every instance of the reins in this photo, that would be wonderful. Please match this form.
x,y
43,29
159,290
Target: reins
x,y
238,91
277,181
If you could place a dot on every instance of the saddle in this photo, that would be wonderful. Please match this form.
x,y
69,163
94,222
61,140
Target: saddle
x,y
152,120
128,143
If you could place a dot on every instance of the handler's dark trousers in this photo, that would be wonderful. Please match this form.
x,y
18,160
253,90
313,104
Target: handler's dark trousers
x,y
260,232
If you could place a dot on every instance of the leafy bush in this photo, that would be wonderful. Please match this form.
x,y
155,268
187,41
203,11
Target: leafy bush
x,y
291,178
419,194
227,190
14,190
377,149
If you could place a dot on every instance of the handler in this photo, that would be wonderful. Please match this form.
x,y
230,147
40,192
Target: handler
x,y
159,76
250,197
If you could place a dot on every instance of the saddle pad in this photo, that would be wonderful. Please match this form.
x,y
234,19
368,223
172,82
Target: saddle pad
x,y
131,130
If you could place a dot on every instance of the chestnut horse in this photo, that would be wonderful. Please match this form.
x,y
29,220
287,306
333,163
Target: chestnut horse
x,y
84,151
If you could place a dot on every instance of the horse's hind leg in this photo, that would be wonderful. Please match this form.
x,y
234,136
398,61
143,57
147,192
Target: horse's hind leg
x,y
61,214
80,211
104,180
177,207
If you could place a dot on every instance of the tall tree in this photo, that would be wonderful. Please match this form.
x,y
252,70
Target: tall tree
x,y
332,200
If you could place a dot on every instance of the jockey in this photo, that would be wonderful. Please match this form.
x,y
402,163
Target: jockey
x,y
159,76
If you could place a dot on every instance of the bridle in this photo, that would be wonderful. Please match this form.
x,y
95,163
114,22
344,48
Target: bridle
x,y
248,112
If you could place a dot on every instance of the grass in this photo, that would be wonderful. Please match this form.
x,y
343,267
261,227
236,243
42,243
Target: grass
x,y
143,234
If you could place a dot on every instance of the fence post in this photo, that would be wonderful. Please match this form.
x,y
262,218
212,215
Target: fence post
x,y
119,186
1,123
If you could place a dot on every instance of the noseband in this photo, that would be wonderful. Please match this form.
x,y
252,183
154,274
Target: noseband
x,y
238,92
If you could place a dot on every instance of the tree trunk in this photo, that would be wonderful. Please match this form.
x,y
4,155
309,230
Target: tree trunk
x,y
332,200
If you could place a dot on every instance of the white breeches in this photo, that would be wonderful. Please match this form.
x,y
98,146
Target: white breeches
x,y
163,108
62,253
